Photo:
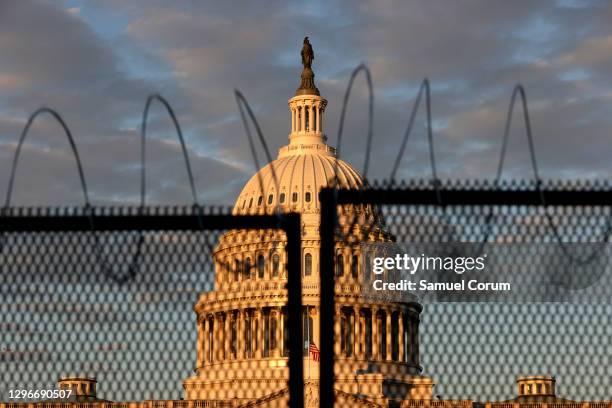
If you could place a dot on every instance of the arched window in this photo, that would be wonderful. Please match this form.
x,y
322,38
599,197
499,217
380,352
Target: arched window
x,y
355,266
237,267
339,264
307,197
307,265
299,118
226,271
247,268
294,197
251,202
282,198
275,265
307,117
260,200
261,265
270,198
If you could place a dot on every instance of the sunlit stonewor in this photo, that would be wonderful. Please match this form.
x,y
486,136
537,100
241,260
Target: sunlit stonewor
x,y
242,351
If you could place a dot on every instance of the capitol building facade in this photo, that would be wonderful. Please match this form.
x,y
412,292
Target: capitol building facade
x,y
242,353
242,323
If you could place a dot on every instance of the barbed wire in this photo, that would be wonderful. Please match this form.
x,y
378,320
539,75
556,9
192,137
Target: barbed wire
x,y
425,87
361,68
520,90
243,104
24,133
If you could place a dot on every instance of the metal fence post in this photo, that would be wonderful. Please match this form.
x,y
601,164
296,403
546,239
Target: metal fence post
x,y
292,227
328,227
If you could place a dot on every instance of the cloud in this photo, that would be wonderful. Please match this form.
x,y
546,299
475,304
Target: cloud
x,y
593,53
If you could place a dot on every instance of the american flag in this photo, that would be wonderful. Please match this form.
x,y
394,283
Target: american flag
x,y
314,350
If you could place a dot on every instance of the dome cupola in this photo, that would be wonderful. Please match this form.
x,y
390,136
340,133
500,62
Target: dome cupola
x,y
306,164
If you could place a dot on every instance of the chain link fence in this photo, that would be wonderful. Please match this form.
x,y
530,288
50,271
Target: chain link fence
x,y
140,304
412,318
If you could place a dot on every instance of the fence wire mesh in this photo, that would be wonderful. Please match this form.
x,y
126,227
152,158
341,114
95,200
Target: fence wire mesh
x,y
543,340
194,313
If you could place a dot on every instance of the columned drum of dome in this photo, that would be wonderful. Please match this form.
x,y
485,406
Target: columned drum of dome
x,y
242,336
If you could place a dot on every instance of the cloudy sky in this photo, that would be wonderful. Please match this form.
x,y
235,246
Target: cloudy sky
x,y
96,62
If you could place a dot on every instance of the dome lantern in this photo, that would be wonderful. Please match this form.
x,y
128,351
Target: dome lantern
x,y
307,107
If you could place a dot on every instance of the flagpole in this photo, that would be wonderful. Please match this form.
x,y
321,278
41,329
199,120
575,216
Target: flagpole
x,y
308,330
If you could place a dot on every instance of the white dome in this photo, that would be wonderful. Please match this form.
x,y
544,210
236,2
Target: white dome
x,y
300,178
303,167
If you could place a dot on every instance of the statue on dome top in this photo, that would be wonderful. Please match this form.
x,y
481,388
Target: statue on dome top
x,y
307,85
307,54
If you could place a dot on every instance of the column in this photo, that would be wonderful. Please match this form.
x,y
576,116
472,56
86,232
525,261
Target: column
x,y
318,119
219,336
240,334
251,314
223,335
415,342
292,120
337,350
199,345
260,332
206,343
350,347
253,334
400,330
303,117
375,339
362,339
275,313
202,342
281,325
215,338
228,335
357,331
388,339
246,326
310,118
